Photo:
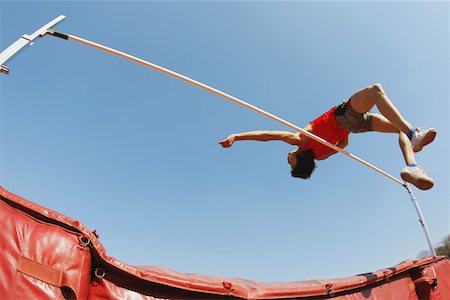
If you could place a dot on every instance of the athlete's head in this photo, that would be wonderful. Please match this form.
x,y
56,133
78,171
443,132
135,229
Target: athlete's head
x,y
302,163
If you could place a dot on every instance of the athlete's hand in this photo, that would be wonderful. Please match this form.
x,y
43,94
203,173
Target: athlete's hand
x,y
226,143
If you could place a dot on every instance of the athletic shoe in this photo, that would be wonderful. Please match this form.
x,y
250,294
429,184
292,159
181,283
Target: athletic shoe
x,y
417,176
421,138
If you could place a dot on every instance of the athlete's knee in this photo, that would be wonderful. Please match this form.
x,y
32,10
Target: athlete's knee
x,y
376,89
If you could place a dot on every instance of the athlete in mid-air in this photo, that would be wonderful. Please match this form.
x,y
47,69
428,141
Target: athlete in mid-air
x,y
335,125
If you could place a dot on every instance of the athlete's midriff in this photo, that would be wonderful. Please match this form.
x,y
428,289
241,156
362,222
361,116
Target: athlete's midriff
x,y
327,127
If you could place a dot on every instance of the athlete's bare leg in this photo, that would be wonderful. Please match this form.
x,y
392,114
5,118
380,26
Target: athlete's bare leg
x,y
381,124
411,173
374,95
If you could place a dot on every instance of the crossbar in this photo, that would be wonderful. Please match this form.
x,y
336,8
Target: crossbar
x,y
219,93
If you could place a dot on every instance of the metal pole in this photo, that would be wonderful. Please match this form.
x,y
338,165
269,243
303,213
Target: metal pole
x,y
421,219
219,93
25,40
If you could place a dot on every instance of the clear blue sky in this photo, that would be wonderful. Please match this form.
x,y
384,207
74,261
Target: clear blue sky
x,y
133,153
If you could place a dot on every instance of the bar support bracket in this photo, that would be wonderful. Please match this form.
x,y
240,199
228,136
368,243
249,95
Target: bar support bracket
x,y
25,40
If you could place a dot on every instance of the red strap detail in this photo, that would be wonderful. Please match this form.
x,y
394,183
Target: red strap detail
x,y
43,272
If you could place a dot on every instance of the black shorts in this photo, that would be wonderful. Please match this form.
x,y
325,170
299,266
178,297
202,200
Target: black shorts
x,y
351,120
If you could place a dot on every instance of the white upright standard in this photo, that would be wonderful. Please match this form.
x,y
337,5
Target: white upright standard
x,y
25,40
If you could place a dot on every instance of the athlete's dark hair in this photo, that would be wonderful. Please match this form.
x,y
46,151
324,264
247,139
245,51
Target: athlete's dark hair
x,y
305,164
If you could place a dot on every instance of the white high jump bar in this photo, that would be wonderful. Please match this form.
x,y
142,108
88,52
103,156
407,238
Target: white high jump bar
x,y
219,93
46,30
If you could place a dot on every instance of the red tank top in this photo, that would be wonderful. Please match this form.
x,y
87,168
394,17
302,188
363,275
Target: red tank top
x,y
327,127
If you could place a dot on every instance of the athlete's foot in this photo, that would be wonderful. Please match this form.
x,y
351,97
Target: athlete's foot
x,y
416,176
421,138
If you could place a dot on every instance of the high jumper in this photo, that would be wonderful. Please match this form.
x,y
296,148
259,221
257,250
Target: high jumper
x,y
335,125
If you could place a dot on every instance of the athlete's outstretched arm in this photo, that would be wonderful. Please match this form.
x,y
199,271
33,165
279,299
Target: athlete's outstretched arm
x,y
262,136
